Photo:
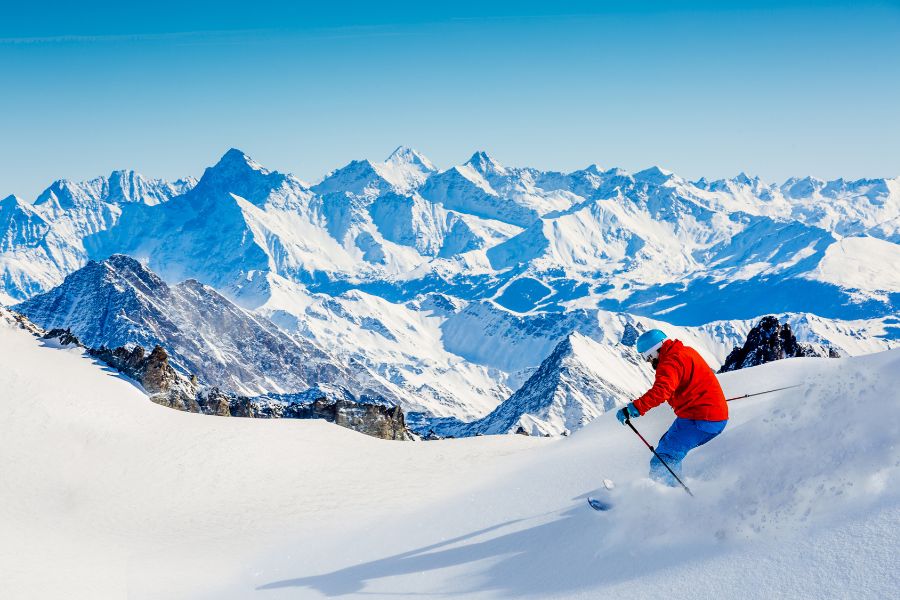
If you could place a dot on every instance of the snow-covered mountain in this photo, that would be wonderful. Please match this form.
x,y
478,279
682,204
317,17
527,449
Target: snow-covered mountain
x,y
485,188
121,187
449,288
45,240
648,242
118,302
578,382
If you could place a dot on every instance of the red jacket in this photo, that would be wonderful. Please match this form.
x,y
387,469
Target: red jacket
x,y
686,382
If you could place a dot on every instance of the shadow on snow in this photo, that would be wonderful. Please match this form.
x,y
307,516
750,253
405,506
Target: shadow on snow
x,y
570,552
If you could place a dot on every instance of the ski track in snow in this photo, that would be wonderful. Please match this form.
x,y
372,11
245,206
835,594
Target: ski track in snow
x,y
106,495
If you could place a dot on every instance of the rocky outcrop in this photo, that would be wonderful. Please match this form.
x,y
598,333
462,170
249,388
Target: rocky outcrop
x,y
167,387
163,384
365,415
770,340
631,333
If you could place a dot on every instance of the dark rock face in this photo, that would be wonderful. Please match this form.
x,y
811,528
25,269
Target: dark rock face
x,y
167,387
631,334
768,341
64,336
162,383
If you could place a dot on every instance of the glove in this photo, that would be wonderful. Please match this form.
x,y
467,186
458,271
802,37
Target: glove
x,y
629,412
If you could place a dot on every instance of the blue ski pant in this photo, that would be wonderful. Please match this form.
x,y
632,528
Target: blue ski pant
x,y
683,436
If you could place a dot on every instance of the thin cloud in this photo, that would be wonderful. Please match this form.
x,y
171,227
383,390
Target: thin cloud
x,y
218,36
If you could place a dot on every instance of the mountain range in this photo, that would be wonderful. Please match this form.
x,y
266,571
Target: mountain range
x,y
446,290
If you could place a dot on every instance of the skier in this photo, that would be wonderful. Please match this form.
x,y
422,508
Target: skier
x,y
684,380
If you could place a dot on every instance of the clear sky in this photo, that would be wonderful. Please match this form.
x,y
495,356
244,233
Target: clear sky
x,y
703,88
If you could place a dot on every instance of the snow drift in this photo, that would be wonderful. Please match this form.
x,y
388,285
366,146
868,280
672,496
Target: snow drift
x,y
105,495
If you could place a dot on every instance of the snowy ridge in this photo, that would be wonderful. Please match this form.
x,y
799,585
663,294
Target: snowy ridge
x,y
613,238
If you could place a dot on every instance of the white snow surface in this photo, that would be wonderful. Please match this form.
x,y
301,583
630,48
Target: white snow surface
x,y
865,263
106,495
402,344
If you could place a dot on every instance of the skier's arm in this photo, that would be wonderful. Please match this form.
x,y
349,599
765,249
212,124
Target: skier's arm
x,y
668,376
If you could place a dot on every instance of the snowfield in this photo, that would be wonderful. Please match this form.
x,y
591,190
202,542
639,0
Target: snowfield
x,y
106,495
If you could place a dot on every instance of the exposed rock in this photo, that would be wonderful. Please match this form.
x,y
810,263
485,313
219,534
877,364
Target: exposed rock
x,y
159,379
21,321
768,341
631,334
167,387
372,416
64,336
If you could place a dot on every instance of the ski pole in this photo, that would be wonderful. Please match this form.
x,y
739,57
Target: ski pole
x,y
659,458
766,392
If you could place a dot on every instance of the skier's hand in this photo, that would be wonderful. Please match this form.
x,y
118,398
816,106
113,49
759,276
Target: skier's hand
x,y
629,412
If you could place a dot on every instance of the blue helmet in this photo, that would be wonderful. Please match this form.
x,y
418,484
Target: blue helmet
x,y
650,342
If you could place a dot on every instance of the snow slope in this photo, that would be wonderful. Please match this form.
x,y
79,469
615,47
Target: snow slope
x,y
858,262
106,495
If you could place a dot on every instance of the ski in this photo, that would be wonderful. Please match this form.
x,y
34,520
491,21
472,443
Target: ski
x,y
598,504
601,500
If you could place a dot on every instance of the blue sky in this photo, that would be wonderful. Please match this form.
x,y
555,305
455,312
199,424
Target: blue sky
x,y
703,88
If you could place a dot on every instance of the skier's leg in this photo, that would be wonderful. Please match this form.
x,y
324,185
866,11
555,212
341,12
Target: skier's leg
x,y
707,430
671,448
683,436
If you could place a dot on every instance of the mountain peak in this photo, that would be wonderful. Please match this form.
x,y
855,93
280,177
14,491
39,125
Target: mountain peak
x,y
484,163
236,159
578,381
404,155
123,261
127,186
11,201
62,191
654,174
355,177
404,170
121,267
796,187
236,173
20,225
